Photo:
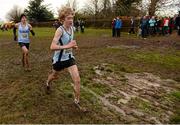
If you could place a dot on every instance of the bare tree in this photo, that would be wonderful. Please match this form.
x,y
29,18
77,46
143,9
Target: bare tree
x,y
14,14
92,7
106,8
68,3
154,6
169,5
72,4
143,7
124,7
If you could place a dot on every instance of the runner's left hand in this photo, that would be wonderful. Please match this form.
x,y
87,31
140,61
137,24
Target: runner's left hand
x,y
76,47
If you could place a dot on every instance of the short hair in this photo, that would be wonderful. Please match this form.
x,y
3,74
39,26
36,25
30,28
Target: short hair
x,y
64,12
22,15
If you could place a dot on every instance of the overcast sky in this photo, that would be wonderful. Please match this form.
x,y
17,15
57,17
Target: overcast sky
x,y
6,5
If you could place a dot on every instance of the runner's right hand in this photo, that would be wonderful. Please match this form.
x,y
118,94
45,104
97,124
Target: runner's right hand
x,y
15,38
72,44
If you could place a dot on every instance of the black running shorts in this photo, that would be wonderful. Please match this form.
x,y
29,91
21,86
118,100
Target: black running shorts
x,y
58,66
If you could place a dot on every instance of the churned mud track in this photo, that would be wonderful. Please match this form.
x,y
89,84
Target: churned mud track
x,y
137,96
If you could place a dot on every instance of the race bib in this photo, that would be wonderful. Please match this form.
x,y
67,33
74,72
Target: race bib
x,y
24,35
68,51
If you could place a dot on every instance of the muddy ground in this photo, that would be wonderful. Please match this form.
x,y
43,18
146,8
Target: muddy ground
x,y
124,80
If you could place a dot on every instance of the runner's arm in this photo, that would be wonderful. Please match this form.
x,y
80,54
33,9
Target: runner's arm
x,y
54,44
14,31
31,30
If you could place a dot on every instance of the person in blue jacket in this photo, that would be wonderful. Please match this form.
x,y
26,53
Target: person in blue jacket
x,y
144,25
118,26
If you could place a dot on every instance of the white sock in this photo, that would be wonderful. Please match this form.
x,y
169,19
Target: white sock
x,y
47,83
76,101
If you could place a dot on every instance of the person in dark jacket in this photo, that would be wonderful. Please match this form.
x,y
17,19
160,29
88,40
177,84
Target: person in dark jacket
x,y
159,26
113,27
144,26
171,25
56,24
82,26
132,26
177,22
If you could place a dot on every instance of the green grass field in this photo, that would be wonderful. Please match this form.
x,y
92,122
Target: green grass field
x,y
124,80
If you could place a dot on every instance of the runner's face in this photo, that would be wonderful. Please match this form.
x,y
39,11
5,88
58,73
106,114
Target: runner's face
x,y
69,20
23,19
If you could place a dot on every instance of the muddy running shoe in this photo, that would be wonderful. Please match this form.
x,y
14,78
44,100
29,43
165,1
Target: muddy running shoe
x,y
23,64
77,104
29,69
48,88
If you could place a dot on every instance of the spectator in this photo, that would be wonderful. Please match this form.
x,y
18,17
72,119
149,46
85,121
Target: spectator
x,y
171,25
132,26
144,25
77,25
177,22
82,26
152,23
113,27
148,25
118,26
159,26
56,24
165,26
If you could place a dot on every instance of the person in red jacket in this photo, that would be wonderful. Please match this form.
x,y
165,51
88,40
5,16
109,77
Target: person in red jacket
x,y
165,26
